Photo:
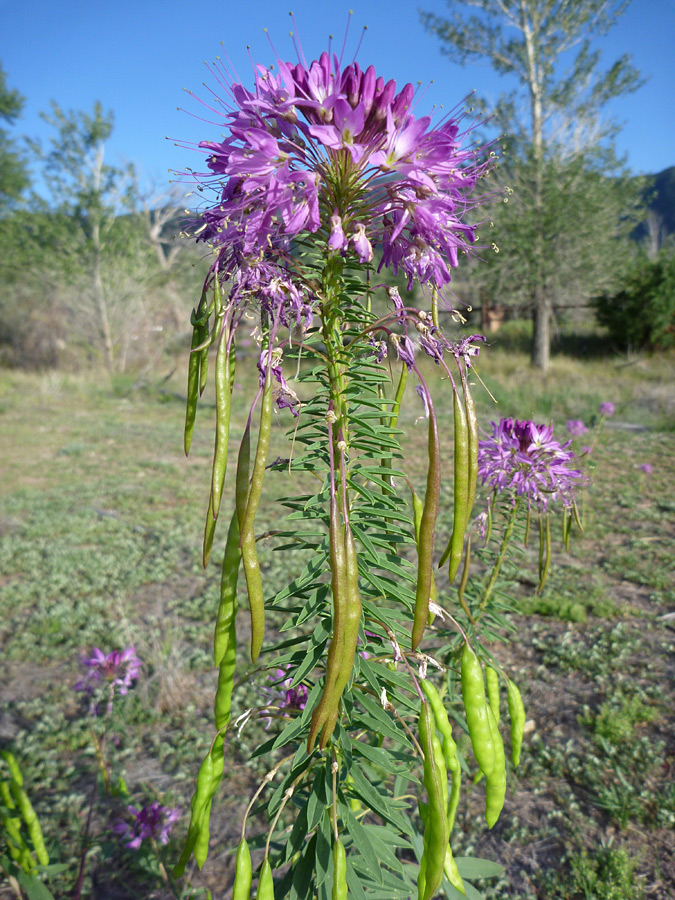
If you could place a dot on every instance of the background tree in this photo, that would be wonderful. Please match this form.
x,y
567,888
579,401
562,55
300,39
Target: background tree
x,y
14,177
92,194
552,122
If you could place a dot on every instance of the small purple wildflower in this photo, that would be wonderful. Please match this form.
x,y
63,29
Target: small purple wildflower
x,y
154,821
525,458
575,427
647,468
118,669
292,697
606,408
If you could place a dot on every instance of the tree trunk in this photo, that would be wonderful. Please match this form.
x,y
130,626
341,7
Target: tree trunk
x,y
99,295
541,336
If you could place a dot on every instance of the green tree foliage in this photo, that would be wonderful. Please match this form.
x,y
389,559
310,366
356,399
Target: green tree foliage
x,y
642,313
92,274
13,170
545,47
91,193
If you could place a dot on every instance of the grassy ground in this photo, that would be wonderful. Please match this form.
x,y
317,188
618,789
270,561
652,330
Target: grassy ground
x,y
100,522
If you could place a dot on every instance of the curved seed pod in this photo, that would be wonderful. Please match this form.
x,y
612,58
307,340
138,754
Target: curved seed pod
x,y
352,622
11,825
495,781
249,552
201,847
260,461
227,608
209,777
339,891
265,882
461,480
398,397
427,530
336,649
449,747
209,532
544,550
422,876
436,785
223,402
198,804
451,871
516,708
476,709
192,388
243,873
204,358
418,509
13,766
225,637
492,679
222,704
25,807
472,430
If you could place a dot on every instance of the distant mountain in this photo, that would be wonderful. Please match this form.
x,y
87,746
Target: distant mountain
x,y
658,227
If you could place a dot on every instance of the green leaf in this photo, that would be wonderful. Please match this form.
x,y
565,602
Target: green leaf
x,y
317,800
354,882
380,757
474,867
381,805
324,856
362,844
33,887
301,887
382,848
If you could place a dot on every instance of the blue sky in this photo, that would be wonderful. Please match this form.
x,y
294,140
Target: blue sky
x,y
136,57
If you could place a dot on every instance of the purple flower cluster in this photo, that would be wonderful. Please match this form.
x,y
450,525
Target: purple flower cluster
x,y
525,459
154,821
335,152
607,408
118,669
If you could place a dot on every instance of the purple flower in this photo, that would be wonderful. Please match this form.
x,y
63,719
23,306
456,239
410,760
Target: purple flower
x,y
317,148
286,695
606,408
118,669
154,821
525,459
647,468
576,428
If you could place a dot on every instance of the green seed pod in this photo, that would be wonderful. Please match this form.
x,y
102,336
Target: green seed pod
x,y
495,782
339,891
265,882
451,871
476,707
243,873
492,679
427,530
517,714
436,785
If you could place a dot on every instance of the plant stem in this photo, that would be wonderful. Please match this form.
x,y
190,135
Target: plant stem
x,y
500,558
